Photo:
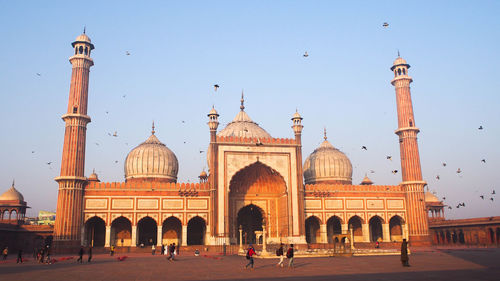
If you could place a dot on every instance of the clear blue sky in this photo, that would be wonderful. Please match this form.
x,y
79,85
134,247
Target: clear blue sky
x,y
180,49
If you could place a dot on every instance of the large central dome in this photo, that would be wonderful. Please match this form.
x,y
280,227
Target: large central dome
x,y
243,126
151,160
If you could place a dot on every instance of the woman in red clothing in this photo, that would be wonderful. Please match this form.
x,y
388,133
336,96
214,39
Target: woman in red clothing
x,y
250,253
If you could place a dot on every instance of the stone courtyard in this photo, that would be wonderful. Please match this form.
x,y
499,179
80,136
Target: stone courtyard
x,y
430,264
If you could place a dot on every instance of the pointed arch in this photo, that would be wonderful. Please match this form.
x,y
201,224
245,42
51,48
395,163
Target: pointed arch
x,y
147,230
172,231
313,234
121,232
95,232
196,230
333,227
354,224
396,228
375,226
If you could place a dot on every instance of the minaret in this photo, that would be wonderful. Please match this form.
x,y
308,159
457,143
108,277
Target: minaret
x,y
297,129
410,160
213,124
69,216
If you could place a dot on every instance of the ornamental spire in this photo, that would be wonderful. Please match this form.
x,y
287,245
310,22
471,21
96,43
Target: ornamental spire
x,y
242,106
324,133
153,128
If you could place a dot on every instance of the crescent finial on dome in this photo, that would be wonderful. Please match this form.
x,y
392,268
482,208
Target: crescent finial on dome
x,y
153,128
242,106
324,132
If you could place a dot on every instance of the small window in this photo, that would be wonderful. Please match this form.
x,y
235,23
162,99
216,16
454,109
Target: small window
x,y
80,50
75,109
411,123
399,71
404,71
76,50
86,50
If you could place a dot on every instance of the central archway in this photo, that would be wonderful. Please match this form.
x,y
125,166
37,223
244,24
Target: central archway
x,y
250,220
264,188
147,229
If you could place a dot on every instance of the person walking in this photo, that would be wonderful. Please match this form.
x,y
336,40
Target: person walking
x,y
162,249
153,250
20,256
173,251
170,252
280,253
404,253
80,254
289,255
249,256
112,250
48,254
90,254
5,252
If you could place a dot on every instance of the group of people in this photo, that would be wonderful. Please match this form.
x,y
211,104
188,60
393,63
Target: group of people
x,y
170,251
42,255
81,252
280,252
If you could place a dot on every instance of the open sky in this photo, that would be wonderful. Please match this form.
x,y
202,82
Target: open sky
x,y
179,49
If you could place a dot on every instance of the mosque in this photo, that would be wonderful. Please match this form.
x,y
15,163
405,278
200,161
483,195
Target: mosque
x,y
258,188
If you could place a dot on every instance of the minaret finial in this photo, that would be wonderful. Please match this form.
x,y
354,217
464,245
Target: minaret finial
x,y
153,128
13,182
84,27
324,132
242,106
398,54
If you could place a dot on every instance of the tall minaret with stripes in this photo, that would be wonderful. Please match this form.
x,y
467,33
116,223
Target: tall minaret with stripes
x,y
69,214
407,131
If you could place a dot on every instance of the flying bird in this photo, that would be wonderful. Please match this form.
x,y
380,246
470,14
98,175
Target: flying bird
x,y
364,147
459,171
438,177
483,160
107,112
444,164
395,171
389,157
385,25
482,196
305,55
493,192
32,151
480,127
38,74
491,198
116,161
372,171
115,134
124,96
127,53
96,143
201,151
183,121
444,198
48,163
216,87
449,207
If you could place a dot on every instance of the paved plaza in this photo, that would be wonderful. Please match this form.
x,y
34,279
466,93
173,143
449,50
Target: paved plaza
x,y
465,264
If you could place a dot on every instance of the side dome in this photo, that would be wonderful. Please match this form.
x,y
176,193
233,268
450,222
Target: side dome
x,y
243,126
431,198
327,165
12,195
151,160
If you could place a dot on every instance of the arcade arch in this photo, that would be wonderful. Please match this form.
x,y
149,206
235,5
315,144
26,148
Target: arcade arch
x,y
172,231
196,230
147,230
312,230
121,232
95,232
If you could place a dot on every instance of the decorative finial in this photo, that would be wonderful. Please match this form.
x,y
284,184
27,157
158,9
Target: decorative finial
x,y
93,171
242,106
84,29
324,132
398,54
13,182
153,130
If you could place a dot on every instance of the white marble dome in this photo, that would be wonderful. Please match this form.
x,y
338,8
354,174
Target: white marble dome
x,y
243,126
327,165
151,160
12,195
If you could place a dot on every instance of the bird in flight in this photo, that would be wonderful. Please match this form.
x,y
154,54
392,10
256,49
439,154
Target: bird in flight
x,y
372,171
107,112
493,192
395,171
96,143
115,134
127,53
438,177
183,121
480,127
491,198
459,171
38,74
32,151
449,207
364,147
389,157
201,151
483,160
116,161
124,96
385,25
482,196
216,87
48,163
444,198
305,55
444,164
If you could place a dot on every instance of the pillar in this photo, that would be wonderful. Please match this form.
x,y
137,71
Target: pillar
x,y
184,235
159,236
241,239
134,236
107,237
366,232
405,231
344,228
386,233
324,233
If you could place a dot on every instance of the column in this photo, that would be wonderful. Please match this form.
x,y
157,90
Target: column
x,y
184,235
107,238
405,231
324,233
344,228
159,236
366,232
241,239
386,234
134,236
